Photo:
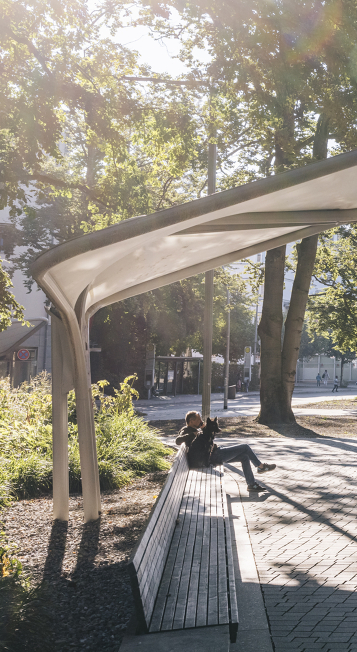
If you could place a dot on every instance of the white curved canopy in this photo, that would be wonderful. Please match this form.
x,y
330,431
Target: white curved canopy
x,y
143,253
146,252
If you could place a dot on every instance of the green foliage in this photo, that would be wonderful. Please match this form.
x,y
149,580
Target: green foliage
x,y
172,319
126,446
23,609
10,309
81,146
332,312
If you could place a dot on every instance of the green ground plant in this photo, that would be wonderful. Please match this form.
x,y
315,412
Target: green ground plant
x,y
126,445
23,608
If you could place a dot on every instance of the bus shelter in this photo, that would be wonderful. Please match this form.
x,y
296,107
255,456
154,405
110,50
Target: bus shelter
x,y
146,252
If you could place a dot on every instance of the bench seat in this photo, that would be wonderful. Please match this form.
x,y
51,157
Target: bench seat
x,y
182,570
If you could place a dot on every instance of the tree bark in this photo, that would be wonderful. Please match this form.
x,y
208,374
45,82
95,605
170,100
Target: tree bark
x,y
269,331
342,363
294,322
278,364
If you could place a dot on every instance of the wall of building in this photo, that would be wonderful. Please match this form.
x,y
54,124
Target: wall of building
x,y
308,369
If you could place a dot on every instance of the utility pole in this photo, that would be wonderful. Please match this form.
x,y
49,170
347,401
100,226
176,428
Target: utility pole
x,y
208,312
226,366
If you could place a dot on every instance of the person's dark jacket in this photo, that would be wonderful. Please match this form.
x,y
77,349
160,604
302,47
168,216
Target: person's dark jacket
x,y
186,435
200,451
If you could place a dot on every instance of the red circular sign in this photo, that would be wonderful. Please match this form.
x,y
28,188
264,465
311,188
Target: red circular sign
x,y
23,354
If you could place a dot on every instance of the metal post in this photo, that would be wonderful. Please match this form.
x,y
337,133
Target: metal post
x,y
256,334
226,370
62,383
208,314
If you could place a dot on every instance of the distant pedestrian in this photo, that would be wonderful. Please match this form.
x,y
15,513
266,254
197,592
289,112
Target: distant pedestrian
x,y
246,384
318,380
335,384
239,384
325,377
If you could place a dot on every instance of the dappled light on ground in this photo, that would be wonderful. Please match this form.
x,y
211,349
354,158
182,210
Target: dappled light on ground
x,y
304,539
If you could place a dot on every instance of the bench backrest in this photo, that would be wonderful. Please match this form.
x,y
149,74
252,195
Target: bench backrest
x,y
148,559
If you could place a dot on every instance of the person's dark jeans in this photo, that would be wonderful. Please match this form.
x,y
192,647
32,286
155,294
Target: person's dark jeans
x,y
241,453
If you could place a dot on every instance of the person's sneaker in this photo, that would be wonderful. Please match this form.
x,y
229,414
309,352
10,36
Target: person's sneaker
x,y
255,487
266,467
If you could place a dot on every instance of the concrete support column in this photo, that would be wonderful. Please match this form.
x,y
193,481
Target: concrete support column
x,y
59,421
85,416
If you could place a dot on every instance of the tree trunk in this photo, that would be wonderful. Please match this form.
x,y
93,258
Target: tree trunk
x,y
269,331
294,321
278,367
342,363
321,138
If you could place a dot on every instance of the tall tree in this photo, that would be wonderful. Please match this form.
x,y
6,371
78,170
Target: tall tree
x,y
288,62
82,146
332,311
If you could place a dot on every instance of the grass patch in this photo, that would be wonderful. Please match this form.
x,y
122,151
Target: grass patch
x,y
337,404
126,445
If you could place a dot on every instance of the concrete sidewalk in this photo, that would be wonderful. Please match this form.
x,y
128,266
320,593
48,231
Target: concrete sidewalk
x,y
295,554
164,408
303,533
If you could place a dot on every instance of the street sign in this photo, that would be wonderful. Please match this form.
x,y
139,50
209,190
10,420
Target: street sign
x,y
23,354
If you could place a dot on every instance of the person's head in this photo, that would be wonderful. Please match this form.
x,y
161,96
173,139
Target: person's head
x,y
193,419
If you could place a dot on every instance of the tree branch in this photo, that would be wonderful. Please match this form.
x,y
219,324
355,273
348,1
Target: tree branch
x,y
58,183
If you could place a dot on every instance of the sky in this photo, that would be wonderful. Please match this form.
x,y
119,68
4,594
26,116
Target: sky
x,y
160,54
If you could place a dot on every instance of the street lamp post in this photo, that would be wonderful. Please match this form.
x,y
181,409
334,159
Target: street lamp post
x,y
226,366
208,312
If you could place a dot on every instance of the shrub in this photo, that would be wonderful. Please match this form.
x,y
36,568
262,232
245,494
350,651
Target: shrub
x,y
126,445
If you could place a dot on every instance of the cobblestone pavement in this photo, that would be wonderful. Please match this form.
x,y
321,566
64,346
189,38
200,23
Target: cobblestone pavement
x,y
304,538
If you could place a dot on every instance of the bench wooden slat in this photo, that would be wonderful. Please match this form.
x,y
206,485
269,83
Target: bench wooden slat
x,y
149,556
164,589
230,563
186,574
223,613
181,459
169,614
191,611
163,511
162,545
163,532
180,610
202,606
212,616
182,570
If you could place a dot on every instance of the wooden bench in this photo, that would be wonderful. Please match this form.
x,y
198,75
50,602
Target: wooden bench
x,y
181,570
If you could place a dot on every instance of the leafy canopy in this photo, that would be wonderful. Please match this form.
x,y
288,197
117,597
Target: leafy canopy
x,y
332,312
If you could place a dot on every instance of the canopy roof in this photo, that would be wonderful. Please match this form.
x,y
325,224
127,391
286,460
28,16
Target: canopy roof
x,y
142,253
146,252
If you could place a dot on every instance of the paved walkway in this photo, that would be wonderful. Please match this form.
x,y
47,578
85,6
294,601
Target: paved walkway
x,y
168,407
303,533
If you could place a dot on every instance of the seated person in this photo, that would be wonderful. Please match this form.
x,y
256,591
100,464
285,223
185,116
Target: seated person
x,y
221,454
